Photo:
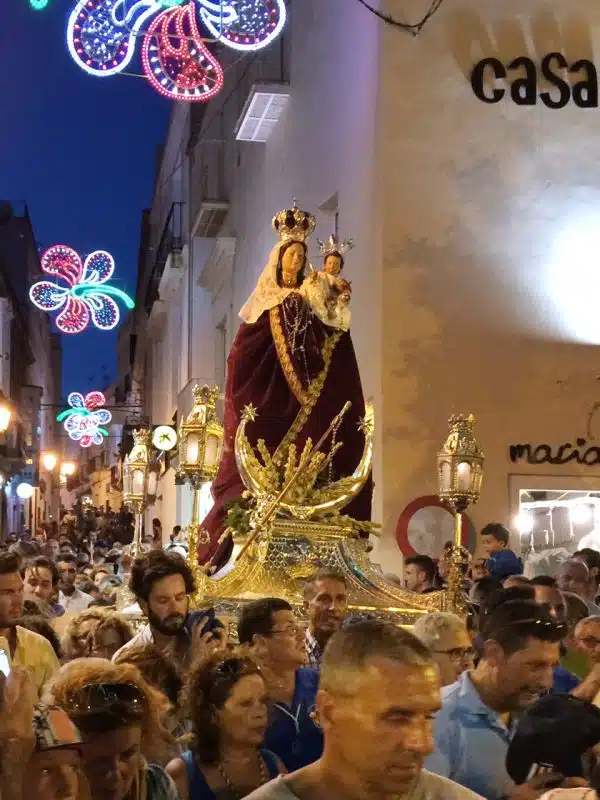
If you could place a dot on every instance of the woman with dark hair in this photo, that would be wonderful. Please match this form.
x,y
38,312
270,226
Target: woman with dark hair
x,y
296,371
228,711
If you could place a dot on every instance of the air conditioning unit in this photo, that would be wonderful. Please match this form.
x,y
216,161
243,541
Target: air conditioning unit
x,y
210,218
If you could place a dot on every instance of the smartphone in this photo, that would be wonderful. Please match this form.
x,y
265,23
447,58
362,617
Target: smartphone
x,y
538,769
4,662
207,619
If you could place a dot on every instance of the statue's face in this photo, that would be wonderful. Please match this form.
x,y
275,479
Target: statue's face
x,y
291,263
333,265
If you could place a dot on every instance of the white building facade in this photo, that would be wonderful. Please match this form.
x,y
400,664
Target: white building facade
x,y
474,226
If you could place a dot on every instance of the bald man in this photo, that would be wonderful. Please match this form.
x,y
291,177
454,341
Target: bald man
x,y
574,576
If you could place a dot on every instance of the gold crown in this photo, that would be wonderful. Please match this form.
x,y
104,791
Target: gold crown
x,y
333,245
295,225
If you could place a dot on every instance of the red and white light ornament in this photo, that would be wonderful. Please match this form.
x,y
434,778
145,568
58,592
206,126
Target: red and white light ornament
x,y
102,36
87,297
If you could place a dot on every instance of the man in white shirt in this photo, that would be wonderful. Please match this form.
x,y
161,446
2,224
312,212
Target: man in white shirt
x,y
27,649
71,599
378,693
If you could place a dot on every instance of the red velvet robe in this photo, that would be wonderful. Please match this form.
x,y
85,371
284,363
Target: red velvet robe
x,y
263,370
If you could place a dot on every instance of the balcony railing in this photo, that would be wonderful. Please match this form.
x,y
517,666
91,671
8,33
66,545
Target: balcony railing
x,y
171,240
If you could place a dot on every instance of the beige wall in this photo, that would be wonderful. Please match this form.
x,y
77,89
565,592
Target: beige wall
x,y
491,247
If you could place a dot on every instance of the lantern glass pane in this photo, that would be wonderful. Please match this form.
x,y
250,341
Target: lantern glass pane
x,y
137,481
193,448
152,484
126,480
446,477
464,476
211,454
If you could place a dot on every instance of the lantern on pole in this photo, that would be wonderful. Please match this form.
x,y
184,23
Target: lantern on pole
x,y
200,447
460,473
139,482
201,438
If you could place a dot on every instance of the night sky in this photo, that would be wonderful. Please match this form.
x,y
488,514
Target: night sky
x,y
81,152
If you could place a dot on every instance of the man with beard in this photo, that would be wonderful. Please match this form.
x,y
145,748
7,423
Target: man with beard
x,y
162,583
521,645
27,649
325,601
378,692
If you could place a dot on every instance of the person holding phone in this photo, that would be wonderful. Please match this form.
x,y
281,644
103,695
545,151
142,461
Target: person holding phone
x,y
162,583
26,648
18,695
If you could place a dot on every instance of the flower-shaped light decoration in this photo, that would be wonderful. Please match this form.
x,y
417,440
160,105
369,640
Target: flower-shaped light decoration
x,y
84,419
87,297
102,37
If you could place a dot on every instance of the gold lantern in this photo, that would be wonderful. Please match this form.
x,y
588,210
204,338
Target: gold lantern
x,y
460,472
200,448
137,471
201,438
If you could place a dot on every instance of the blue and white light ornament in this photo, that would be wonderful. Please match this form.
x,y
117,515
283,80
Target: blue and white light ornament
x,y
102,36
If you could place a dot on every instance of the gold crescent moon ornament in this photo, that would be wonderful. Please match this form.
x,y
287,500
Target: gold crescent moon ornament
x,y
308,498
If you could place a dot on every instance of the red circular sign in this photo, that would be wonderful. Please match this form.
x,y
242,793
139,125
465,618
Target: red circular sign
x,y
426,524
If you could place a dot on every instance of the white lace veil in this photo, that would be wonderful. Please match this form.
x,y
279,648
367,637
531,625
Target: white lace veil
x,y
267,293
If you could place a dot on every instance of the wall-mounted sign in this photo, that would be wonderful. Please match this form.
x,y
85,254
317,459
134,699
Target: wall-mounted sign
x,y
579,453
164,437
523,79
426,524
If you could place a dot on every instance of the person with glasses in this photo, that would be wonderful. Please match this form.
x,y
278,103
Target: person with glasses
x,y
448,639
379,692
120,718
227,704
520,646
270,628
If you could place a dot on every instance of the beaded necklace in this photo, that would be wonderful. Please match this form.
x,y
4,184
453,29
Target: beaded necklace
x,y
237,793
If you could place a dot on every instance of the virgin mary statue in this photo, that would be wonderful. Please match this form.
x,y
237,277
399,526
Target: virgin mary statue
x,y
295,370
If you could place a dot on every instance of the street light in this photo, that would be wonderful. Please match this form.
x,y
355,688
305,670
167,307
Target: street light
x,y
460,472
67,468
49,460
5,414
24,491
200,446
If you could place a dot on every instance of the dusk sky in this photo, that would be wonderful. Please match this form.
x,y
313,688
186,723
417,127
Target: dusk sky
x,y
81,152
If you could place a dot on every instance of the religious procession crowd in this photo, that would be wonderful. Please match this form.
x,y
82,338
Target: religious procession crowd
x,y
338,706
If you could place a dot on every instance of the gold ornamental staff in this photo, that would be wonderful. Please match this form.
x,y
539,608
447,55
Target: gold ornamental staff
x,y
275,504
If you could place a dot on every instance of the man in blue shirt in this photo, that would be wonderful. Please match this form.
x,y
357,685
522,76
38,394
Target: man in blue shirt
x,y
474,726
270,627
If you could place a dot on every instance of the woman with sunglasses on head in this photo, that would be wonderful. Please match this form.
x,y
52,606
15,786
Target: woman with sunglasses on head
x,y
227,707
120,718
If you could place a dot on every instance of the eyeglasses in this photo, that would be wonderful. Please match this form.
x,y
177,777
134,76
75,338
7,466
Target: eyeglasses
x,y
106,697
458,653
589,641
539,628
289,630
234,668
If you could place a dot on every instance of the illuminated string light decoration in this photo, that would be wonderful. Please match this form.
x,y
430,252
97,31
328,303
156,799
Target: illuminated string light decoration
x,y
102,37
83,420
39,5
176,61
87,297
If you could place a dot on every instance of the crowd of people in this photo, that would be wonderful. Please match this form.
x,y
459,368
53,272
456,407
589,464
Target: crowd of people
x,y
156,701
